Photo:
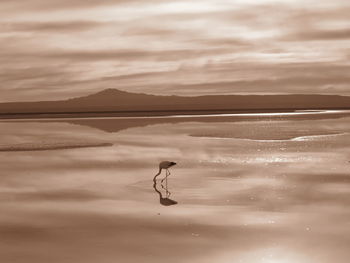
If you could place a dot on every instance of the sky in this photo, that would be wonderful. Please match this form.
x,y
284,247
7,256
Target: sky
x,y
58,49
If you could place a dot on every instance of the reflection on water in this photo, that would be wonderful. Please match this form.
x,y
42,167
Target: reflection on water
x,y
166,201
250,189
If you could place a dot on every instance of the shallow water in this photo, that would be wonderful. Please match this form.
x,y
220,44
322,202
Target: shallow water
x,y
262,188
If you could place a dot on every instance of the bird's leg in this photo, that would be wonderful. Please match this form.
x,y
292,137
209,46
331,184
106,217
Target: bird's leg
x,y
166,185
161,182
166,176
163,187
165,190
167,193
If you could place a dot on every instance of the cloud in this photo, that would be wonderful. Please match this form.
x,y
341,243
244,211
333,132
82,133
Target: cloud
x,y
62,82
265,78
53,27
158,55
327,35
42,5
158,46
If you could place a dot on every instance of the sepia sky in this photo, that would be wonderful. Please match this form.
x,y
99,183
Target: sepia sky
x,y
56,49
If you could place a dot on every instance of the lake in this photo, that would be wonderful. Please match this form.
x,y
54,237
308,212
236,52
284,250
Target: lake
x,y
254,188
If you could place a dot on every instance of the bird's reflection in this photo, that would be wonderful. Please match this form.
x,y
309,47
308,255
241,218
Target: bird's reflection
x,y
166,201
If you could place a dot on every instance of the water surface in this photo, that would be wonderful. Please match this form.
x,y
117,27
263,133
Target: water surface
x,y
262,188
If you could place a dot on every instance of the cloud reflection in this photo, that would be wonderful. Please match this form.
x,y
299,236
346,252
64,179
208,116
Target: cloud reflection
x,y
243,208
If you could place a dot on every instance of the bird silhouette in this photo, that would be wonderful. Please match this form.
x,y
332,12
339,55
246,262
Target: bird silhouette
x,y
166,201
165,165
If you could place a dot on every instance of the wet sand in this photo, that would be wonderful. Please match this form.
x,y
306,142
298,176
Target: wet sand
x,y
252,189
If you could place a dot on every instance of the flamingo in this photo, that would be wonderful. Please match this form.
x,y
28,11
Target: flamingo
x,y
164,165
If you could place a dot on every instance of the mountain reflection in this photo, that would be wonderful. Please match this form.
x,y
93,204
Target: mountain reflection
x,y
117,124
264,190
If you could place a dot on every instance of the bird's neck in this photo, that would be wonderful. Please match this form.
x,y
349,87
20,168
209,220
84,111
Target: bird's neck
x,y
159,172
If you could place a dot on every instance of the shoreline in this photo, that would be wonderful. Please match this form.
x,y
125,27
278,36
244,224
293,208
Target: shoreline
x,y
161,113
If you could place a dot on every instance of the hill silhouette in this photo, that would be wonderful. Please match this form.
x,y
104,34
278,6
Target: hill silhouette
x,y
117,101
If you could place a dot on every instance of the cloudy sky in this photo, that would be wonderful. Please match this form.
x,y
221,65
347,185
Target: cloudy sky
x,y
56,49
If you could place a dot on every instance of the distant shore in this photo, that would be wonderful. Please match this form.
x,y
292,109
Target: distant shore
x,y
151,113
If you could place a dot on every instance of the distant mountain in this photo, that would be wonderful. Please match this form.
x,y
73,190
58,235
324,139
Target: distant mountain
x,y
113,100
